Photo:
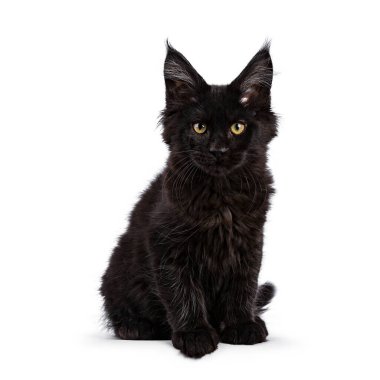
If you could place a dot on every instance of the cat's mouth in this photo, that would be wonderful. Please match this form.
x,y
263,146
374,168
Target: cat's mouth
x,y
215,166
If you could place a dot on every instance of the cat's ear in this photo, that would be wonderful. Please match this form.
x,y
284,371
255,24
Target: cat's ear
x,y
181,79
255,81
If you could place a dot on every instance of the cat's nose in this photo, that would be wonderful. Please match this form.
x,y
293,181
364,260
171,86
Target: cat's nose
x,y
218,151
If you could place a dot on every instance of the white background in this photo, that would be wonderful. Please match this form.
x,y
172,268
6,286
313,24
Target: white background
x,y
81,88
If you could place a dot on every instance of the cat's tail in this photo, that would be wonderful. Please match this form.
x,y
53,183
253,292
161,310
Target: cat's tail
x,y
265,293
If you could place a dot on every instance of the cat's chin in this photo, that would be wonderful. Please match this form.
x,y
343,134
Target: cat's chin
x,y
216,170
219,171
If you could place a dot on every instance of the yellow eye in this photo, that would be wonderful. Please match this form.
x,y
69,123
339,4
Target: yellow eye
x,y
237,128
199,128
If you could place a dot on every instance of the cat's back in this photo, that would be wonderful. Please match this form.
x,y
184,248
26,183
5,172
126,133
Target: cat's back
x,y
128,259
132,244
141,214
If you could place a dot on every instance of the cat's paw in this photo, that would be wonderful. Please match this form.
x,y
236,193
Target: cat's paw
x,y
196,343
245,333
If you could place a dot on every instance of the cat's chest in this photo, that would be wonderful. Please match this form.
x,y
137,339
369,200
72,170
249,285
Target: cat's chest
x,y
224,226
225,234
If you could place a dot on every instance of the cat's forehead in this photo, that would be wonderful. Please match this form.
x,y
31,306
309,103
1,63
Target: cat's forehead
x,y
219,102
219,94
217,90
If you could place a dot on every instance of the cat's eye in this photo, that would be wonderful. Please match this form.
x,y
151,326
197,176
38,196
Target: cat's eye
x,y
237,128
199,128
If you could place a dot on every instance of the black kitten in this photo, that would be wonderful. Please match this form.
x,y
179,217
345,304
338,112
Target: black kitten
x,y
186,269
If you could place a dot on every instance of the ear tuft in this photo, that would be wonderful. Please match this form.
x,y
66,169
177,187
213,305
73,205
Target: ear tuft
x,y
255,81
181,79
177,67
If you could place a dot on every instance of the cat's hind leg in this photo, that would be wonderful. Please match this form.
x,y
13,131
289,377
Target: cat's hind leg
x,y
135,328
127,325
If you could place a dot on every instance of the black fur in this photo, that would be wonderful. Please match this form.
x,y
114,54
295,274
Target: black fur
x,y
187,267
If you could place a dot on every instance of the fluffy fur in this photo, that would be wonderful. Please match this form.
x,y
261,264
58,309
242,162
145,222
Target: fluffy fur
x,y
187,267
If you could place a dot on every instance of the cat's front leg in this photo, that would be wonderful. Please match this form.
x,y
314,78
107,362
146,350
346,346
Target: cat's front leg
x,y
238,323
183,298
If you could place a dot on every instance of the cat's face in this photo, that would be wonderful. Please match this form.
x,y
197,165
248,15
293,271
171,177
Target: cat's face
x,y
217,130
218,127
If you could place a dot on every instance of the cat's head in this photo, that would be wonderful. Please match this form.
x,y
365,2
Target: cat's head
x,y
219,128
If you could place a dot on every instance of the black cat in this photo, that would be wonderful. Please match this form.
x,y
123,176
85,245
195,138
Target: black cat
x,y
187,267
